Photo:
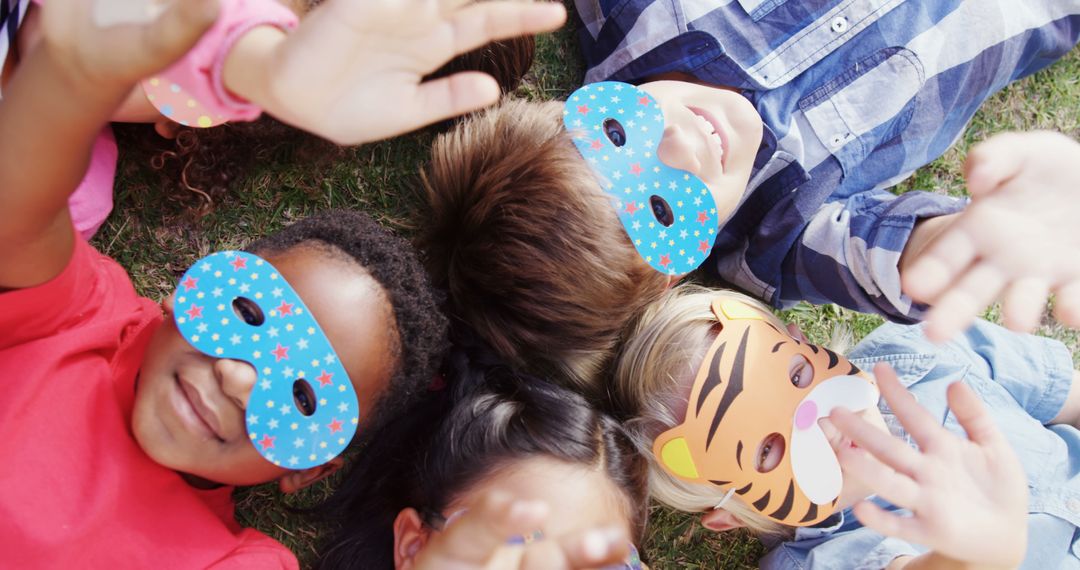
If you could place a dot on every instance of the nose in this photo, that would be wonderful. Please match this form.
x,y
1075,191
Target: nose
x,y
237,379
677,150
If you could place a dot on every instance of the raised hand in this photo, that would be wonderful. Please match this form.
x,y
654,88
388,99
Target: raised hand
x,y
102,42
477,540
968,498
1018,240
352,72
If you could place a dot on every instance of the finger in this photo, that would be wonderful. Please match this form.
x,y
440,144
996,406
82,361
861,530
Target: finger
x,y
992,164
1067,304
447,97
1023,303
594,548
474,537
974,417
906,528
887,483
477,24
879,443
918,422
942,262
173,34
957,308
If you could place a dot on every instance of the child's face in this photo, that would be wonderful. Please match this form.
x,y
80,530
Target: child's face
x,y
578,498
756,419
710,132
190,408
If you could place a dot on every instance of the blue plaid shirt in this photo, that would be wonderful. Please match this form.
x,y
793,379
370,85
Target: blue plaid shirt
x,y
1024,380
855,95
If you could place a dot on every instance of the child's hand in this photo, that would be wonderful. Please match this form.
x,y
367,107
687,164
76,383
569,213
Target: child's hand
x,y
474,541
968,498
1018,240
121,53
352,71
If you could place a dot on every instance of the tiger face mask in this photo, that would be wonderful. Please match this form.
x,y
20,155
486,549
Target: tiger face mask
x,y
751,423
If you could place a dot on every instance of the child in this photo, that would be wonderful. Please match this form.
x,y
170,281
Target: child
x,y
125,435
258,57
798,160
736,413
493,434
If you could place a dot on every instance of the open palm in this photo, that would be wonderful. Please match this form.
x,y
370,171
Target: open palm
x,y
352,72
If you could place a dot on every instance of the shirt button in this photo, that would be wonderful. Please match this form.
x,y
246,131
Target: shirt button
x,y
839,24
838,141
1073,505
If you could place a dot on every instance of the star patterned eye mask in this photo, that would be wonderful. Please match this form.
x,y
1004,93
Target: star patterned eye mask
x,y
303,409
669,214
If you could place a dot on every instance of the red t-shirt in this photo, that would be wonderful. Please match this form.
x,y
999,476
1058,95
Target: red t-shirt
x,y
76,490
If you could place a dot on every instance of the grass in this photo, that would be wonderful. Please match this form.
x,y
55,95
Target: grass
x,y
156,236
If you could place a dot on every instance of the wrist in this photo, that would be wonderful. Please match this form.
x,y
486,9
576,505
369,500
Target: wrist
x,y
247,68
922,235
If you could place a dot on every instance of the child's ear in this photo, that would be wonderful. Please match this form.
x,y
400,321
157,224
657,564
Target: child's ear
x,y
167,304
719,520
410,536
295,480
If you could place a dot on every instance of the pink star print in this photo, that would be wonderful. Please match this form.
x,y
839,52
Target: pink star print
x,y
284,309
325,379
583,109
238,263
643,100
335,426
280,353
267,442
189,283
194,311
636,169
703,246
702,217
665,260
631,208
597,144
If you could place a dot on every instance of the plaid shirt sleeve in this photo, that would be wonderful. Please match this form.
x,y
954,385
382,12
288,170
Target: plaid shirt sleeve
x,y
850,251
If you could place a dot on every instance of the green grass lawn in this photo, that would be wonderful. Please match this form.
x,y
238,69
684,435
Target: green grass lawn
x,y
156,232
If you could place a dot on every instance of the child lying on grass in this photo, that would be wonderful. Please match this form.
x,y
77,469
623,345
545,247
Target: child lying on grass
x,y
750,425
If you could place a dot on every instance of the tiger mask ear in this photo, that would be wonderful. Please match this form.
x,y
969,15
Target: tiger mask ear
x,y
731,309
672,452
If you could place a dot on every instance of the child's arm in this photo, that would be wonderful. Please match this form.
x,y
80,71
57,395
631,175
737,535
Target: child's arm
x,y
53,109
472,541
1018,240
968,497
353,70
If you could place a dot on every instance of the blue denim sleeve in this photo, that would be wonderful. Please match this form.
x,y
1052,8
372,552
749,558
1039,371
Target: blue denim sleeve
x,y
1036,371
850,250
862,549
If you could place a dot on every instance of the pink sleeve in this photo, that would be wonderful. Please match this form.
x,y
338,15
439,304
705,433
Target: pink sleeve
x,y
256,550
192,92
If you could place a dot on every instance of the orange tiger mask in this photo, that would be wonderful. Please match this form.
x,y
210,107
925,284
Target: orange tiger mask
x,y
751,421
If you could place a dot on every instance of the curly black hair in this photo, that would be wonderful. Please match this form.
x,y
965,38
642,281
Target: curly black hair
x,y
391,261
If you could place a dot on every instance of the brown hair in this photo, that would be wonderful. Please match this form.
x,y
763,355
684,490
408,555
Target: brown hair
x,y
534,258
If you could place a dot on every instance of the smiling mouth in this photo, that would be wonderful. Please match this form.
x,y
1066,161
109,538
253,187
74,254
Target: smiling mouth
x,y
202,419
710,127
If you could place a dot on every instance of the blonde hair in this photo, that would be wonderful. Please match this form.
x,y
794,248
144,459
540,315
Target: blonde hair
x,y
653,375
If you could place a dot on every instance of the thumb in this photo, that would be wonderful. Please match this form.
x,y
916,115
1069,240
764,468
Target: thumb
x,y
993,162
173,33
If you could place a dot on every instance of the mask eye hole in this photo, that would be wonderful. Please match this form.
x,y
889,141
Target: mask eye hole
x,y
614,131
304,397
661,211
770,453
800,371
248,310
